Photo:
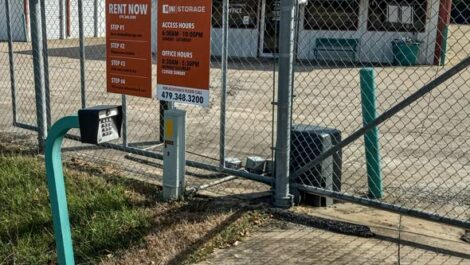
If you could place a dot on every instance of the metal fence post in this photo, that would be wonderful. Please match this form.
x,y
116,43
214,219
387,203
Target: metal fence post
x,y
82,54
125,142
282,198
223,96
46,64
38,67
62,19
95,19
12,61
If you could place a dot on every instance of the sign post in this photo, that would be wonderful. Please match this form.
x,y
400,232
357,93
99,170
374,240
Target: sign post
x,y
97,125
129,47
183,60
56,188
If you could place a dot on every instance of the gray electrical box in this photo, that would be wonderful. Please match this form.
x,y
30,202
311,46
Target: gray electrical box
x,y
174,159
307,143
100,124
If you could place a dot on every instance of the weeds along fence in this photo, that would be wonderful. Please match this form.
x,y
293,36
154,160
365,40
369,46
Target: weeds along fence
x,y
276,67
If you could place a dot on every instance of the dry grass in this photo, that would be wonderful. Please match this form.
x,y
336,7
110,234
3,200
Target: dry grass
x,y
15,143
187,232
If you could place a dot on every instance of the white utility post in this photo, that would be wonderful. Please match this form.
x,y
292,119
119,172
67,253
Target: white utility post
x,y
174,159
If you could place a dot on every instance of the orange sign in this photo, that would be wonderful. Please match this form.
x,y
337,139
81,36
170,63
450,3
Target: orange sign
x,y
128,47
183,60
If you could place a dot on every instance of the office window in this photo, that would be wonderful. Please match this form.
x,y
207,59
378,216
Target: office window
x,y
331,15
392,14
406,15
242,13
397,15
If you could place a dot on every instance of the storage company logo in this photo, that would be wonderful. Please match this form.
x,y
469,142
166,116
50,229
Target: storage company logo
x,y
167,9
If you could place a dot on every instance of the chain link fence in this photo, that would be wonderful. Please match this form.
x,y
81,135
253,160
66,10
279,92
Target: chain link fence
x,y
76,78
17,71
423,148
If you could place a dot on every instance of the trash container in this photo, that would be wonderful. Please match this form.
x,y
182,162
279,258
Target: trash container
x,y
405,52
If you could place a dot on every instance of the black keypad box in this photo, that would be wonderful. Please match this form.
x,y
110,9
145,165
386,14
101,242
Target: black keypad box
x,y
100,124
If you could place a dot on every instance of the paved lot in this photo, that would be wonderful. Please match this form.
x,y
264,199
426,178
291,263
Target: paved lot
x,y
424,148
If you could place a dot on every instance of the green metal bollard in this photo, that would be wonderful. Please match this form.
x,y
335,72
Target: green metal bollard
x,y
371,138
56,186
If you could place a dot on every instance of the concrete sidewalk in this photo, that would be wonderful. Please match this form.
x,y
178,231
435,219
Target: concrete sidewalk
x,y
280,242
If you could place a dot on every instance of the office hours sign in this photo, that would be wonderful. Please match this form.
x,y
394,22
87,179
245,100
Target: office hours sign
x,y
183,47
128,47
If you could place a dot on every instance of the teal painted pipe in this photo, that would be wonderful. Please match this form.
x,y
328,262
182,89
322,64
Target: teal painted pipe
x,y
371,138
445,35
56,187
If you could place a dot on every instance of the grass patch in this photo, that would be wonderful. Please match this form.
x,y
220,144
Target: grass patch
x,y
114,219
105,214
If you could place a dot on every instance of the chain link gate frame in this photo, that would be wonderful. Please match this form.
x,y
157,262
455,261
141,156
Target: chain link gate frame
x,y
362,132
416,124
287,80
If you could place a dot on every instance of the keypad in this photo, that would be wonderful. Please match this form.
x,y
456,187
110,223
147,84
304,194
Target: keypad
x,y
106,127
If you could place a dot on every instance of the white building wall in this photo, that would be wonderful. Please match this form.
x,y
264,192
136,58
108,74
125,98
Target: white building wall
x,y
375,46
53,20
102,18
18,23
3,21
241,42
88,18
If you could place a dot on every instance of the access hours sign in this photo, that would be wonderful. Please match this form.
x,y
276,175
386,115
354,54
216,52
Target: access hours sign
x,y
183,47
128,47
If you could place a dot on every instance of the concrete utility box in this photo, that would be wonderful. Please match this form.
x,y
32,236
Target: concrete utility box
x,y
255,164
308,142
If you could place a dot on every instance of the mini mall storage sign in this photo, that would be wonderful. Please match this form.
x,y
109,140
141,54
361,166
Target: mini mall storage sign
x,y
128,47
183,46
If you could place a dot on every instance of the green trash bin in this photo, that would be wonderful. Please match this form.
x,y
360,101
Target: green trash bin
x,y
405,52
